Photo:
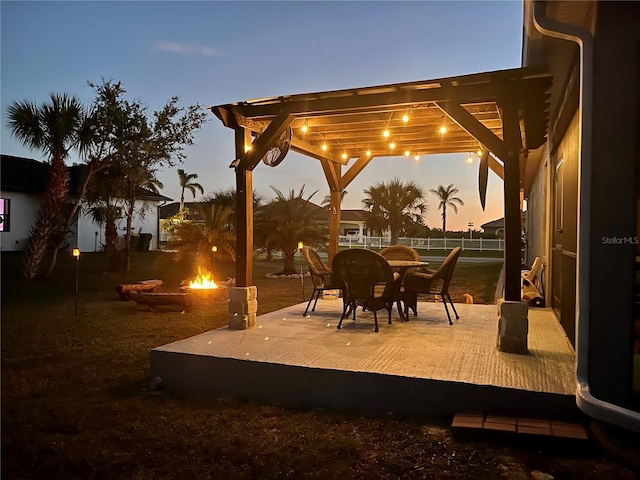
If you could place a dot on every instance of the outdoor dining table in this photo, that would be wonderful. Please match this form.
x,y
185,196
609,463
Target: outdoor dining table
x,y
404,267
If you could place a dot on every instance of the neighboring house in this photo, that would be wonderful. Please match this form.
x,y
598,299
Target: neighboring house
x,y
23,183
351,221
494,228
582,189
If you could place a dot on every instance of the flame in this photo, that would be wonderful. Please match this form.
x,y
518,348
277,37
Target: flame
x,y
203,281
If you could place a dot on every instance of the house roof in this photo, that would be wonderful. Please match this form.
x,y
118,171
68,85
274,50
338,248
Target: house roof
x,y
23,174
499,223
352,215
171,209
19,174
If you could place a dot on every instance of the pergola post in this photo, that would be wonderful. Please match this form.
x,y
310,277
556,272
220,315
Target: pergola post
x,y
512,214
243,303
513,317
244,213
334,224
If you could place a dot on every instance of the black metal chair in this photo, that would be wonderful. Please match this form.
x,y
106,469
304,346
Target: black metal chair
x,y
367,281
321,276
434,282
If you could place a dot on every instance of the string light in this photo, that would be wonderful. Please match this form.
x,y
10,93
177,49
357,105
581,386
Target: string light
x,y
392,145
479,153
405,118
469,159
407,153
443,129
324,147
368,153
344,156
305,127
385,134
416,157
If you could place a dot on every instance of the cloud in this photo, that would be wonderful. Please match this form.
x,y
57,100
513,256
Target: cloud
x,y
184,48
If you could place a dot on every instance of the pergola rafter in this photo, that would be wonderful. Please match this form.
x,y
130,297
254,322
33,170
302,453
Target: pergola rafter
x,y
504,112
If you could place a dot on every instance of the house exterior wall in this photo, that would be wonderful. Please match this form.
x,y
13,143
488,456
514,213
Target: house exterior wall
x,y
563,231
24,208
615,147
84,234
538,220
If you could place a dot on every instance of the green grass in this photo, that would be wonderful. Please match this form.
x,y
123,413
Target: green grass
x,y
75,403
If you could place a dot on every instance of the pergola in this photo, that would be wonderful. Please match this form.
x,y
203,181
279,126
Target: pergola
x,y
503,114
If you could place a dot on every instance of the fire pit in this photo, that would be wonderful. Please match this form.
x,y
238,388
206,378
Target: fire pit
x,y
204,290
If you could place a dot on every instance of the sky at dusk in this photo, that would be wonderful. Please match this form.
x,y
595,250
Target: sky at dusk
x,y
213,53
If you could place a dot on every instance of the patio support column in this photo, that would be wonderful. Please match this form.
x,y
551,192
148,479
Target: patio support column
x,y
512,215
244,213
334,224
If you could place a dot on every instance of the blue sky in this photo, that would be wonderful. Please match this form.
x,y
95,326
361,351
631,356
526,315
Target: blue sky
x,y
220,52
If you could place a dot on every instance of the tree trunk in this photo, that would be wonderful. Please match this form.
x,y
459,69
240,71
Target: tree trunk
x,y
111,246
70,216
127,237
47,220
289,263
444,220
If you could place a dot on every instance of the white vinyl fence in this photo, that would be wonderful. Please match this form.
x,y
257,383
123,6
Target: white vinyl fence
x,y
479,244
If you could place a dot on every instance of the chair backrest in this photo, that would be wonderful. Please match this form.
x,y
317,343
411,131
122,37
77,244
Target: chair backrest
x,y
400,252
445,272
360,271
317,267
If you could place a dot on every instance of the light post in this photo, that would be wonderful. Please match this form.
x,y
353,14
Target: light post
x,y
300,245
214,249
76,254
470,225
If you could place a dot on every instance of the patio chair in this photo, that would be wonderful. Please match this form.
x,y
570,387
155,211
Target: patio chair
x,y
400,252
433,282
367,281
321,276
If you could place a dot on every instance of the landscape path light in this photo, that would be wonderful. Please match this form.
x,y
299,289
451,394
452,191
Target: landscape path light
x,y
76,254
300,245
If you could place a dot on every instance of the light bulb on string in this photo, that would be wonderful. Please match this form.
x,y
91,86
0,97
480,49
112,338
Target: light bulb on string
x,y
443,129
469,159
405,118
385,134
392,145
305,127
407,153
416,157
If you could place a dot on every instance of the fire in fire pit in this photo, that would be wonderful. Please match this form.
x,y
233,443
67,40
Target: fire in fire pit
x,y
204,289
203,281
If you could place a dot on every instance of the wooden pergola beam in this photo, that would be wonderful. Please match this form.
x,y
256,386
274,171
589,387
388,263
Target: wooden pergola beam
x,y
354,170
354,103
469,123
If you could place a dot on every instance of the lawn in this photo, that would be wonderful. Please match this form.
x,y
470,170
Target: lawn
x,y
75,403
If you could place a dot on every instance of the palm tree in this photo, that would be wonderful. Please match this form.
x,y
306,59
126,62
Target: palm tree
x,y
56,127
394,206
193,242
287,220
186,183
326,201
447,199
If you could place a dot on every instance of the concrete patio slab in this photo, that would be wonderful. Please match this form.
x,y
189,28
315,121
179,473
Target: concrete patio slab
x,y
420,366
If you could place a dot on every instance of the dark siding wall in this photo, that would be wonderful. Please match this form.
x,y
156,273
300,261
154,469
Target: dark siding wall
x,y
614,147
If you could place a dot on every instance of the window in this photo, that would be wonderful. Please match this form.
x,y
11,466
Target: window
x,y
4,214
